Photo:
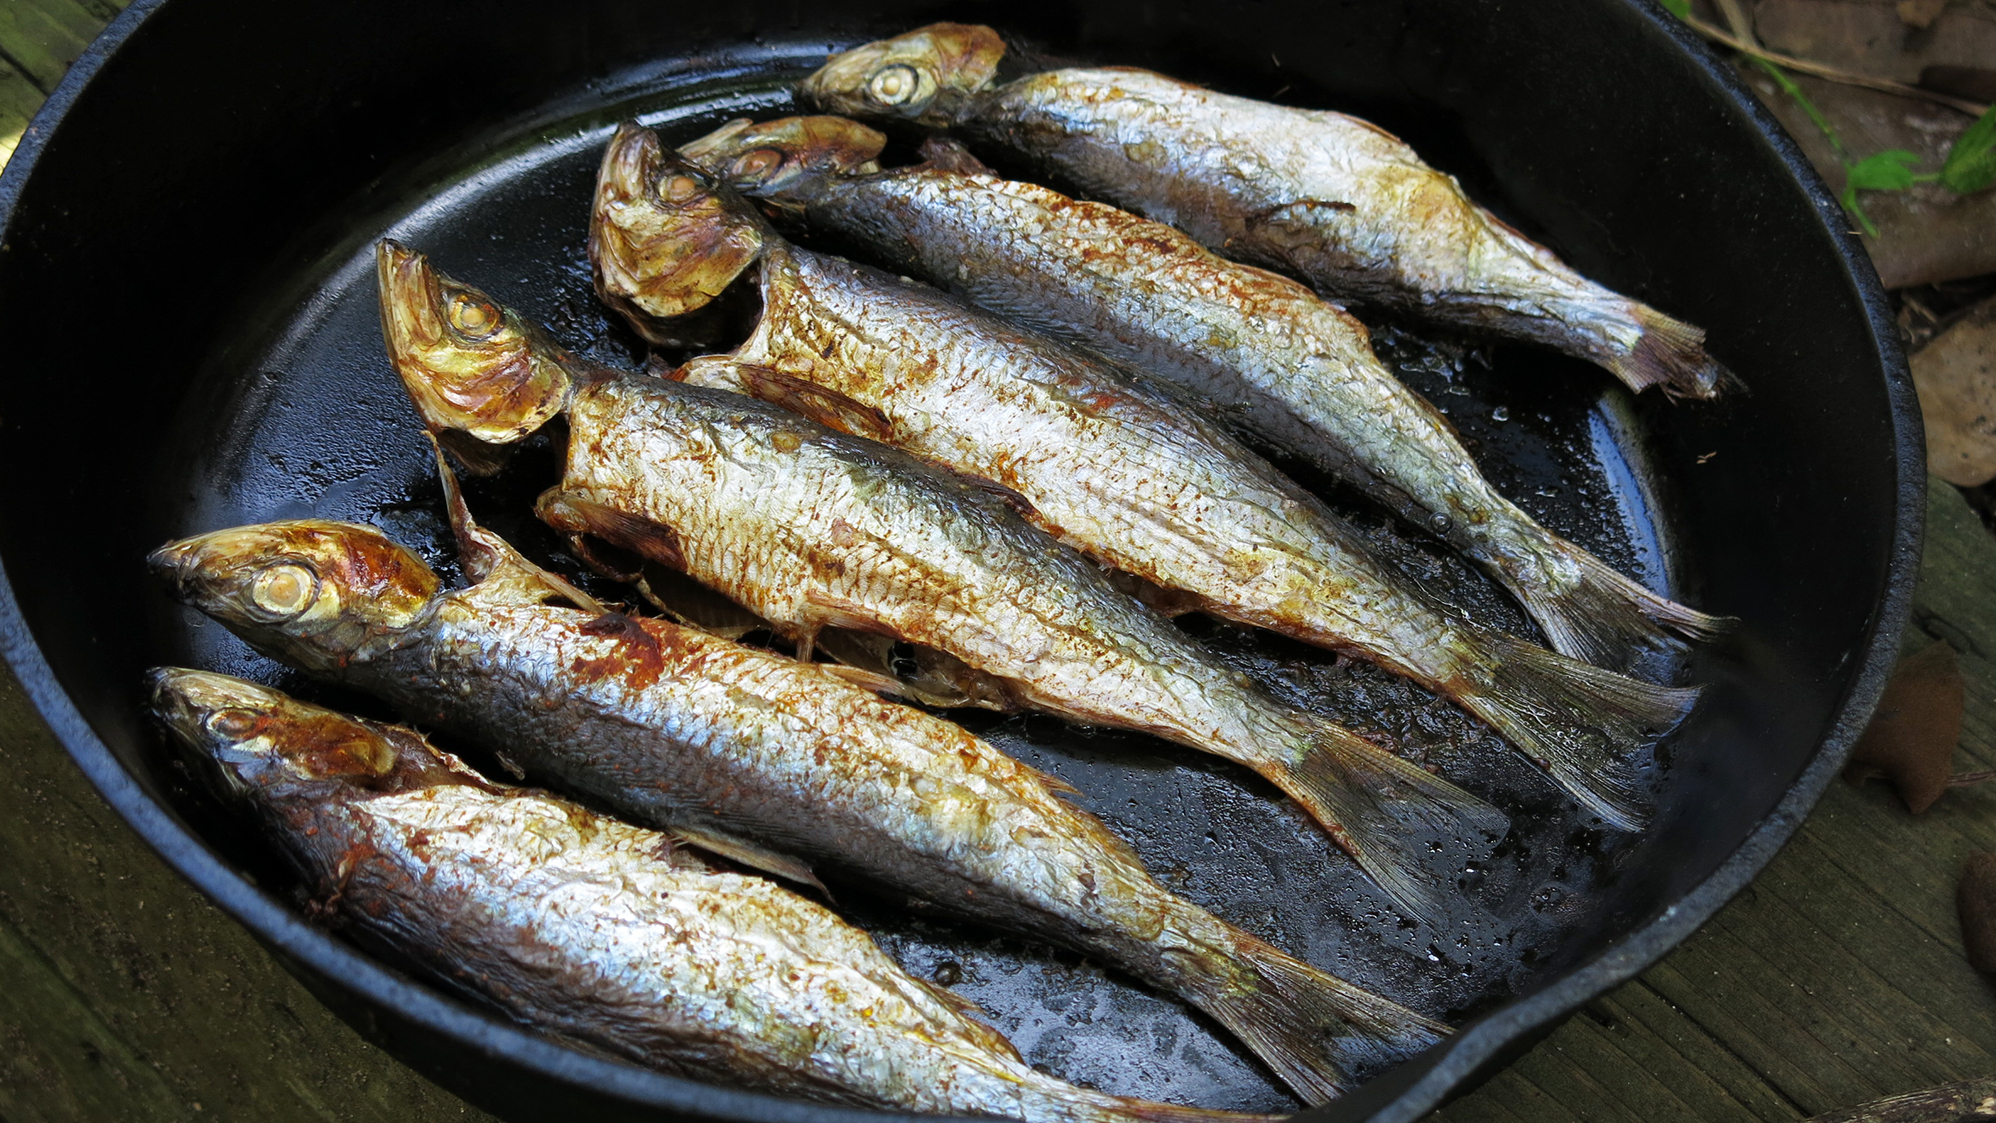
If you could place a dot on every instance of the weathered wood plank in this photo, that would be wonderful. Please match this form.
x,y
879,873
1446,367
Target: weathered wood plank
x,y
43,37
19,98
158,975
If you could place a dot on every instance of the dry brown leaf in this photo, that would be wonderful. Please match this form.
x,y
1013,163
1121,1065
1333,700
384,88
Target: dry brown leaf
x,y
1871,36
1920,14
1975,904
1955,375
1912,736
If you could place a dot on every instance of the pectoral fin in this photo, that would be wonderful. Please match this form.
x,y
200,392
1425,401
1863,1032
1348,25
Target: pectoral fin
x,y
752,855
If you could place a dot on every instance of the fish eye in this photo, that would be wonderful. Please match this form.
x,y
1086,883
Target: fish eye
x,y
473,318
677,189
284,590
232,724
756,166
894,85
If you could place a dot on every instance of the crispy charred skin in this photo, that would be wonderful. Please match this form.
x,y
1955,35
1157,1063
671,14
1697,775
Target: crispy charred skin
x,y
1288,369
760,757
810,529
1329,198
600,932
1144,486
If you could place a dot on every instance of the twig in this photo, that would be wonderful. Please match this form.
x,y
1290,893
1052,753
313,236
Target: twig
x,y
1950,1103
1968,779
1848,78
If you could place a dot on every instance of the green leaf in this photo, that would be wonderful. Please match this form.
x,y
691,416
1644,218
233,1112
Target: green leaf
x,y
1971,163
1883,171
1679,8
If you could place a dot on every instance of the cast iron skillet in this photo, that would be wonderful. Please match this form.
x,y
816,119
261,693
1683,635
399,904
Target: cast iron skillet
x,y
207,158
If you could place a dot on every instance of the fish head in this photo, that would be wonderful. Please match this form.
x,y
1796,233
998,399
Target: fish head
x,y
248,739
470,364
926,76
663,239
788,155
309,592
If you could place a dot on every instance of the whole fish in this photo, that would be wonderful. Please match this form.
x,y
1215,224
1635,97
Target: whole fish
x,y
599,932
1337,201
763,759
1132,479
811,528
1287,368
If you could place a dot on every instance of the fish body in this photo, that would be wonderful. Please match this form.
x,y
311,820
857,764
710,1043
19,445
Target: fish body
x,y
1337,201
812,528
600,932
1283,366
1142,485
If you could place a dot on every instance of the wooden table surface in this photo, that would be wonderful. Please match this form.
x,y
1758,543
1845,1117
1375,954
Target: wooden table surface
x,y
1836,977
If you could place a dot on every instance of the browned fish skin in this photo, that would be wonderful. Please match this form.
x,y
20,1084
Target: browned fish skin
x,y
1138,483
734,748
812,528
1295,372
1327,197
600,932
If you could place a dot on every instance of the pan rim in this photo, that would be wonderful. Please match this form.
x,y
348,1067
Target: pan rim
x,y
1403,1094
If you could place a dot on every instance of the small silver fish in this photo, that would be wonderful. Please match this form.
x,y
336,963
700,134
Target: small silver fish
x,y
810,528
1133,479
1287,369
1329,198
602,933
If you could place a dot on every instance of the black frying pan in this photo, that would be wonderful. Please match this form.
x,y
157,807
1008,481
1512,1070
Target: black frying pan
x,y
193,346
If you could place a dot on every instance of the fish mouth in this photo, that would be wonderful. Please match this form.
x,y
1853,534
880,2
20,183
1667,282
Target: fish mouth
x,y
174,565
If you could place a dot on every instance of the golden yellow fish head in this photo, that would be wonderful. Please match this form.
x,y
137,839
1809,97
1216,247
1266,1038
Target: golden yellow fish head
x,y
663,241
249,736
774,155
923,76
310,592
469,364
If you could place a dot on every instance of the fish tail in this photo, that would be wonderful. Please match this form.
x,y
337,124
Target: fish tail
x,y
1383,811
1591,730
1317,1032
1671,353
1607,619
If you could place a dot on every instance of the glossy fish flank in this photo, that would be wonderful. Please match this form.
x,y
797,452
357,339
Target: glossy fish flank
x,y
1285,368
1326,197
600,932
1134,479
764,759
812,528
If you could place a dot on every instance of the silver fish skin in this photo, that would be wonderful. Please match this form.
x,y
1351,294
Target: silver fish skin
x,y
1288,369
1144,486
1337,201
812,528
603,933
760,758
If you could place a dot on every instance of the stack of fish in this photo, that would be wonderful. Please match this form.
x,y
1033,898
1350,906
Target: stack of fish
x,y
1009,475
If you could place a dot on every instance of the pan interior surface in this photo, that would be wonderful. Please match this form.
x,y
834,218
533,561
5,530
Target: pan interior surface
x,y
282,405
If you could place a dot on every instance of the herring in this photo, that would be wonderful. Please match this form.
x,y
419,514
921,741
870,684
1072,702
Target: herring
x,y
1337,201
602,933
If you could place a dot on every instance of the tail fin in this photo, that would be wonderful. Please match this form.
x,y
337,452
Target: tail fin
x,y
1671,353
1591,730
1384,811
1319,1033
1607,619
